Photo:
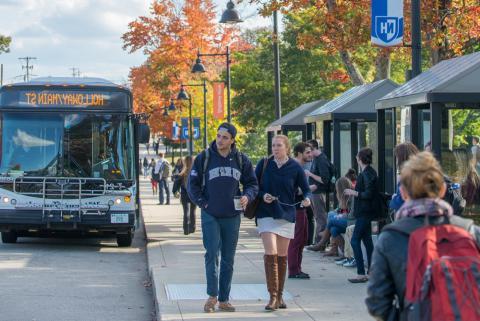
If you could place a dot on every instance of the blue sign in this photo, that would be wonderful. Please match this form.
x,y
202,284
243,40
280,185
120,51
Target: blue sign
x,y
175,130
196,128
387,23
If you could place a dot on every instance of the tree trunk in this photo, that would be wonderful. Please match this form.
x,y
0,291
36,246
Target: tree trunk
x,y
382,64
352,70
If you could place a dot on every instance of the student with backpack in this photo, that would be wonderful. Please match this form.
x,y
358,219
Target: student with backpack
x,y
426,264
214,184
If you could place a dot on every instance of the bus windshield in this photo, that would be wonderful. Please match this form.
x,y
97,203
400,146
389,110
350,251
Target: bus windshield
x,y
66,145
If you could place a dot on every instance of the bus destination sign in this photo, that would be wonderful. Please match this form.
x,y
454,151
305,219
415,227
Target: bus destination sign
x,y
54,98
64,99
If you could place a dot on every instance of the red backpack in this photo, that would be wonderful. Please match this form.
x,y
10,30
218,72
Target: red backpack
x,y
443,275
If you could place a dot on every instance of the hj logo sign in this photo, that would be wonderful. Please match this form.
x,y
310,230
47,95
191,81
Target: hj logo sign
x,y
387,22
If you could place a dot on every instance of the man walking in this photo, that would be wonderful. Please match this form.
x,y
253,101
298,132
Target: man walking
x,y
320,176
213,184
162,168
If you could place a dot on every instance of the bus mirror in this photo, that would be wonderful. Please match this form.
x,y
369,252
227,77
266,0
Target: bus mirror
x,y
143,133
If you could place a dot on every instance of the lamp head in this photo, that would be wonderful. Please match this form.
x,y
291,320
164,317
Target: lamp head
x,y
198,67
231,15
171,107
182,95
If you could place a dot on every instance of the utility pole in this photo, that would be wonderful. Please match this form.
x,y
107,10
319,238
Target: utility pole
x,y
276,60
27,68
75,72
1,75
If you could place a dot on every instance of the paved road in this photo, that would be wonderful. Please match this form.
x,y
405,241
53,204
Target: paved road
x,y
74,280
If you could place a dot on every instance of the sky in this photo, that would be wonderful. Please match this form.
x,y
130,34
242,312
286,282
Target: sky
x,y
81,34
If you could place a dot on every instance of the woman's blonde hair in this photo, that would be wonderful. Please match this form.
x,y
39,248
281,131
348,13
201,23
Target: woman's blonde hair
x,y
341,185
421,176
286,141
187,167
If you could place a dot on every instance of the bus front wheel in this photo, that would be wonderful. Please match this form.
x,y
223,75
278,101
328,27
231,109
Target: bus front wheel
x,y
123,240
9,237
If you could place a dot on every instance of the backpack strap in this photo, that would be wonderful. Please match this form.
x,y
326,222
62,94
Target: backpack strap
x,y
206,158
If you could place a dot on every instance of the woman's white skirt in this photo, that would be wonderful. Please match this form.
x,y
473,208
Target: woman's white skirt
x,y
280,227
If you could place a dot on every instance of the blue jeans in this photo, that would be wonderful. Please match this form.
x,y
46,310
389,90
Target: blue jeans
x,y
362,232
336,224
163,184
220,236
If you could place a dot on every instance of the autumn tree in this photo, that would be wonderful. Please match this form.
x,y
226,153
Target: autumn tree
x,y
170,37
449,27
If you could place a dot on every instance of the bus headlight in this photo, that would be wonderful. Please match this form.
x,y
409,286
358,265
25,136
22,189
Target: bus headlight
x,y
13,201
110,203
127,199
118,201
6,199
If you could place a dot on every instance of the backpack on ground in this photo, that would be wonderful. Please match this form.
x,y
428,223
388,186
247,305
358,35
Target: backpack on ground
x,y
454,197
443,274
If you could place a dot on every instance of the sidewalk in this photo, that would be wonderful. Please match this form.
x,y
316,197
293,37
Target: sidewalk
x,y
175,263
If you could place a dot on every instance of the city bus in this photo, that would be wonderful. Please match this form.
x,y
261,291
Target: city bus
x,y
69,159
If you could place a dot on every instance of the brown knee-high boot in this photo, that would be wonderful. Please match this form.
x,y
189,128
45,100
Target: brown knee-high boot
x,y
282,273
271,274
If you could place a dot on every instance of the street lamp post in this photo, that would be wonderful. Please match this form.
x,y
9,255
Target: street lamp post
x,y
232,16
204,85
182,95
198,67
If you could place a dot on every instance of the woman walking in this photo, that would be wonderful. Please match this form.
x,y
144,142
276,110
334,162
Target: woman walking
x,y
153,177
189,207
364,205
145,167
280,177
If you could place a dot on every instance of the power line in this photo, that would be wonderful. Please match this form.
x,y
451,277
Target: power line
x,y
75,72
27,68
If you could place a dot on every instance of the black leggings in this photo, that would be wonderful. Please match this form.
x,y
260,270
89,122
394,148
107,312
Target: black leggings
x,y
189,216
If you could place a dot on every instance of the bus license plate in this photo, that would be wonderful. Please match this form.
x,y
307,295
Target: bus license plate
x,y
119,218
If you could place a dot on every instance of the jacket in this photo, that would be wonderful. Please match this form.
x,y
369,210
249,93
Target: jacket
x,y
222,182
367,188
321,167
283,183
388,271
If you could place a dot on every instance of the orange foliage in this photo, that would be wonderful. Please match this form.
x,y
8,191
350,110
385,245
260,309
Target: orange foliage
x,y
170,38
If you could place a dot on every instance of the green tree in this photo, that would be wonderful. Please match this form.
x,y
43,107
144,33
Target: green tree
x,y
306,75
5,43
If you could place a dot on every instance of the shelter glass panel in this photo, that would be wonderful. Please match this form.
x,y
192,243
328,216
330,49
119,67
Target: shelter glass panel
x,y
367,137
402,125
319,132
345,147
460,152
390,171
424,129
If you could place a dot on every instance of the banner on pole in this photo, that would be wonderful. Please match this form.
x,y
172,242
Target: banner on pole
x,y
195,129
218,100
387,23
175,131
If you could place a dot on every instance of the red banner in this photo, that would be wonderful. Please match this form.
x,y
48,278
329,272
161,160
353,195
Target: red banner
x,y
218,100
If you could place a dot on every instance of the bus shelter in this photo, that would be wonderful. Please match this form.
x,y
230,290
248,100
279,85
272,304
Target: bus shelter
x,y
348,123
439,110
292,123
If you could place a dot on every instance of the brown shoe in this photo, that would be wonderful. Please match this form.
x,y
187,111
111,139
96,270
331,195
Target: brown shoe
x,y
271,275
282,274
209,306
317,247
226,306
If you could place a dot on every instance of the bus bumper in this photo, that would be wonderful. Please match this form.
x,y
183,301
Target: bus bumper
x,y
118,221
